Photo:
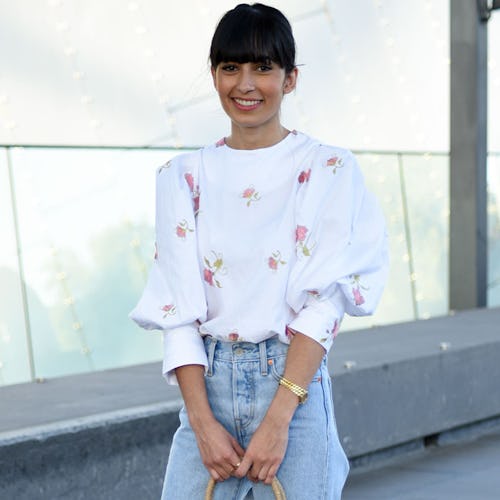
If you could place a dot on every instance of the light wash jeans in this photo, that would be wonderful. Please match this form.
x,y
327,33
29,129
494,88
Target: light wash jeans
x,y
241,381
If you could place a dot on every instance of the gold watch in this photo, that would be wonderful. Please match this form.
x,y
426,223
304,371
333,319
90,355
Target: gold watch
x,y
300,392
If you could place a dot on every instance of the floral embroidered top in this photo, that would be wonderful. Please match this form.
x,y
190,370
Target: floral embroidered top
x,y
249,242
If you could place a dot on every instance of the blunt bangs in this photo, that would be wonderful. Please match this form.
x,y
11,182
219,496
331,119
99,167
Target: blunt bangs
x,y
256,33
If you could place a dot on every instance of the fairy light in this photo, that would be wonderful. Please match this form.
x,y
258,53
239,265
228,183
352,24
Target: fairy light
x,y
59,274
160,83
63,27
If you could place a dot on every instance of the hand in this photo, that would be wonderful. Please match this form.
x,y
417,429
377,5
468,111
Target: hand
x,y
265,452
220,452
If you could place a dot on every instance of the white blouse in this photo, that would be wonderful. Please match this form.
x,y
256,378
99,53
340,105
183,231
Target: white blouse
x,y
250,241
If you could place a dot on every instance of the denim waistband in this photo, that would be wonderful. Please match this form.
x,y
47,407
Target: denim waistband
x,y
240,352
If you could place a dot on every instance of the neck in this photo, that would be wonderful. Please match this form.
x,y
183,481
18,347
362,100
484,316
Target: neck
x,y
255,137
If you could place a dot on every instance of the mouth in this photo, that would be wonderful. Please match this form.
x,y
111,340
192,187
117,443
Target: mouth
x,y
246,104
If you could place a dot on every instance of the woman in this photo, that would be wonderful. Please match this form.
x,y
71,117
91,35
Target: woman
x,y
264,240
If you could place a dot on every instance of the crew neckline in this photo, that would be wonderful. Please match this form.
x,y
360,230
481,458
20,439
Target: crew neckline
x,y
222,143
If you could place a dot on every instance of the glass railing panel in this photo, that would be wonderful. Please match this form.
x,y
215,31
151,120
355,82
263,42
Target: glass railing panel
x,y
494,230
381,173
426,182
14,354
86,220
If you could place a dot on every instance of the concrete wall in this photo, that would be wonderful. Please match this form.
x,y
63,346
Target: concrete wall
x,y
106,435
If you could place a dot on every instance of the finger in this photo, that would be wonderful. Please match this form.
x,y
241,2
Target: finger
x,y
263,473
253,473
243,468
223,474
271,474
237,448
214,474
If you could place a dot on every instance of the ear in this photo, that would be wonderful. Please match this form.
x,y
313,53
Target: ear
x,y
212,70
290,81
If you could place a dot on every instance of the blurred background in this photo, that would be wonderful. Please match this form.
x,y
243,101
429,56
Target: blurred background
x,y
94,95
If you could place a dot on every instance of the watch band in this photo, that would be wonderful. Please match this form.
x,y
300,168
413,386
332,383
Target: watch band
x,y
300,392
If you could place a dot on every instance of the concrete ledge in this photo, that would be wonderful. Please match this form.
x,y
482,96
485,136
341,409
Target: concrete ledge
x,y
417,379
107,434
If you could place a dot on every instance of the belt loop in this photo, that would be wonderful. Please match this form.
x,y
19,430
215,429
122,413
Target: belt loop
x,y
263,357
210,355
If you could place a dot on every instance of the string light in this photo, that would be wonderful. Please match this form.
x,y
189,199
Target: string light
x,y
63,27
151,61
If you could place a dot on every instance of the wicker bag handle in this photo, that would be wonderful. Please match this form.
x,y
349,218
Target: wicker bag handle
x,y
279,492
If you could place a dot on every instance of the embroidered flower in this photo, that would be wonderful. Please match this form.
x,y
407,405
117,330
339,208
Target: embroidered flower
x,y
214,268
275,260
304,176
250,195
220,142
233,336
208,276
195,191
335,162
335,329
190,181
359,300
300,238
169,310
301,233
289,333
183,228
313,293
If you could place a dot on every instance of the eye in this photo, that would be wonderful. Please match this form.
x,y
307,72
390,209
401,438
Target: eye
x,y
229,67
263,68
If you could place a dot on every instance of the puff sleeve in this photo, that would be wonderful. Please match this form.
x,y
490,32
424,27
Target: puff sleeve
x,y
173,299
341,247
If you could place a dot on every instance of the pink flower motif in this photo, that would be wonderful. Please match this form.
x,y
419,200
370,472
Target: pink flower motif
x,y
220,142
213,268
289,333
250,194
335,329
300,233
169,310
182,229
358,298
233,336
190,181
275,260
335,162
196,201
208,276
304,176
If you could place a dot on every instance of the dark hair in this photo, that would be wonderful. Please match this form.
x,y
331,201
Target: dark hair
x,y
253,33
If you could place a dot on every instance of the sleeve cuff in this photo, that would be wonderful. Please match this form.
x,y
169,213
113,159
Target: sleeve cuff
x,y
319,320
182,346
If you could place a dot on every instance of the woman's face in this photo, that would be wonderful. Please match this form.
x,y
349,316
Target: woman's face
x,y
251,92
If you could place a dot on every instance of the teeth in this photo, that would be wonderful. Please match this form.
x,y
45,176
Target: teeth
x,y
246,103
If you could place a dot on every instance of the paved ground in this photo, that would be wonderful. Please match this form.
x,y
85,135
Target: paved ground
x,y
466,471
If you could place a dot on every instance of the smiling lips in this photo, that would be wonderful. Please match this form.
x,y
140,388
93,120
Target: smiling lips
x,y
246,104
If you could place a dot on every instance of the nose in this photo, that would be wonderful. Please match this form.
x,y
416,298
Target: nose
x,y
246,81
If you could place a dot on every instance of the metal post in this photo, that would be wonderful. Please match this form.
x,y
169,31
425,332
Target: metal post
x,y
468,191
